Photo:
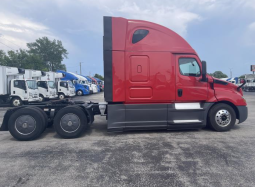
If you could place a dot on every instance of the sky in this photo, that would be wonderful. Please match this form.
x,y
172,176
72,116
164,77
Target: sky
x,y
221,31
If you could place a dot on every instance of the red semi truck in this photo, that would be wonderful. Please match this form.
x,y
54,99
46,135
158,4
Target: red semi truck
x,y
153,80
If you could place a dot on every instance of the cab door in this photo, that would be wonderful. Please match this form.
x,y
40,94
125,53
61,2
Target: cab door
x,y
189,86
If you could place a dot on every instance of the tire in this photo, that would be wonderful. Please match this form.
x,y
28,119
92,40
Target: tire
x,y
26,124
41,98
44,115
222,117
70,122
61,96
79,93
16,101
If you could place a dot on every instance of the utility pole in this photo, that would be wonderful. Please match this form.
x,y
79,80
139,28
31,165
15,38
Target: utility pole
x,y
230,72
80,68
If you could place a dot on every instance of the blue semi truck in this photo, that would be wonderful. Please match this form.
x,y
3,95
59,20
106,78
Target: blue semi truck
x,y
80,89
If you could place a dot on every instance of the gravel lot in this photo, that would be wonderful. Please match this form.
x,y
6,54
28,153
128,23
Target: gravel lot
x,y
151,158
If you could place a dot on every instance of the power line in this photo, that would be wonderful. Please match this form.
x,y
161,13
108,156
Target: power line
x,y
7,46
9,40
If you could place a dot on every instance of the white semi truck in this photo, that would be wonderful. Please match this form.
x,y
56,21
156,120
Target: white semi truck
x,y
15,88
250,83
84,81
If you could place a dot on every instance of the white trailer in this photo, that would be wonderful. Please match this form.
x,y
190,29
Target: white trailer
x,y
15,88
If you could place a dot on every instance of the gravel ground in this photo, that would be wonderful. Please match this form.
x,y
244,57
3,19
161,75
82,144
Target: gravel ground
x,y
141,158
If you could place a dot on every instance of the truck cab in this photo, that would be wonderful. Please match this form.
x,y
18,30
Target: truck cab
x,y
47,90
65,89
25,90
79,88
94,81
83,81
155,80
94,87
100,83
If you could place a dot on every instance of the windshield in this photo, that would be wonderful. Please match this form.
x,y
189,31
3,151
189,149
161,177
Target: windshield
x,y
83,82
51,84
70,84
31,84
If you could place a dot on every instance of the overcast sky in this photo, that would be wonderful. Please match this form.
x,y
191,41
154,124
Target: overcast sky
x,y
221,31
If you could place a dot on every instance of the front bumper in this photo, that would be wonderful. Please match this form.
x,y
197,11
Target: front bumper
x,y
243,113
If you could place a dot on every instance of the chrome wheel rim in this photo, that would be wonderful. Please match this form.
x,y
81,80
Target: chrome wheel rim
x,y
61,97
79,93
223,118
16,102
40,98
25,124
70,123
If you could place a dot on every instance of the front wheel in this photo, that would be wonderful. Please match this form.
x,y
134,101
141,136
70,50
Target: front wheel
x,y
16,101
41,98
222,117
79,93
61,96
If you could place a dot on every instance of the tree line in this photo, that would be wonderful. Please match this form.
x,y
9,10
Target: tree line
x,y
43,54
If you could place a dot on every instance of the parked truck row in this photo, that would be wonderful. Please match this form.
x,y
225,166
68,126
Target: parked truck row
x,y
153,80
23,86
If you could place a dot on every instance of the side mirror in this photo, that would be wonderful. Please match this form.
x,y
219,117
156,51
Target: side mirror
x,y
204,72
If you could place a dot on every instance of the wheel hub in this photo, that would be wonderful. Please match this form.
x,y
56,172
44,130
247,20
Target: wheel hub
x,y
25,124
223,118
70,122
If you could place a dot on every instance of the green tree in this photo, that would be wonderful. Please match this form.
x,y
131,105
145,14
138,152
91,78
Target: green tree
x,y
52,53
99,76
22,59
218,74
2,58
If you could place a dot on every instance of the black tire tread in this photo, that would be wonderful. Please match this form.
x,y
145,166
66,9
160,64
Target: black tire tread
x,y
25,111
76,110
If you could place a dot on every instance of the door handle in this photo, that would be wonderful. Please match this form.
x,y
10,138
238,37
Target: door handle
x,y
179,92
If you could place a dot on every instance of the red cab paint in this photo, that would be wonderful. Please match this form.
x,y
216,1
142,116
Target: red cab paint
x,y
148,71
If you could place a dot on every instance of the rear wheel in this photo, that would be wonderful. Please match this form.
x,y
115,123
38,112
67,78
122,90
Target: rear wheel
x,y
222,117
70,122
26,124
44,115
16,101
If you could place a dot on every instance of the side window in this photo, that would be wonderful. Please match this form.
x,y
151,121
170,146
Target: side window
x,y
42,84
20,84
16,84
189,67
63,84
139,35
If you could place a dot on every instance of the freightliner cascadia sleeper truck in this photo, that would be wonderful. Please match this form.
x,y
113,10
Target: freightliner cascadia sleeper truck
x,y
153,80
